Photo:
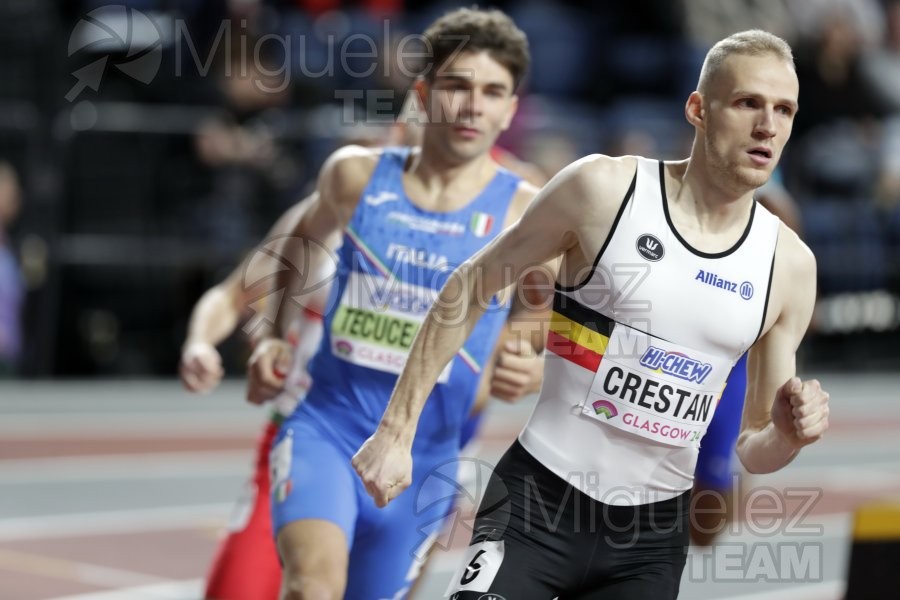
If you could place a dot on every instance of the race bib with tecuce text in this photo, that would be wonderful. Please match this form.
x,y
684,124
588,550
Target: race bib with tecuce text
x,y
377,321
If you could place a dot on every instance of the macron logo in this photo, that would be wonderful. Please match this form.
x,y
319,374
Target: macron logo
x,y
381,198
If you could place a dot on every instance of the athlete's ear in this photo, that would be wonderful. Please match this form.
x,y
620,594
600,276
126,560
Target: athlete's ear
x,y
421,86
510,111
693,109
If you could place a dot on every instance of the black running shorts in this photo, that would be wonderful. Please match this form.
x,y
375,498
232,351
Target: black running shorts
x,y
536,537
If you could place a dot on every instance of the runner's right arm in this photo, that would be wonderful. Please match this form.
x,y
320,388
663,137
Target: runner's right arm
x,y
571,216
218,311
341,182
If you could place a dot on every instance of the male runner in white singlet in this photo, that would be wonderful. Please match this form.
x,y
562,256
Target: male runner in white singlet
x,y
670,272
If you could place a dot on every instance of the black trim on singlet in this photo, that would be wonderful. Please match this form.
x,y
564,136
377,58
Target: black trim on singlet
x,y
684,242
768,291
574,310
612,230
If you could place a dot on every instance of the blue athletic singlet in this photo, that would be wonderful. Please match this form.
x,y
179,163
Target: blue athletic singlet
x,y
394,259
715,462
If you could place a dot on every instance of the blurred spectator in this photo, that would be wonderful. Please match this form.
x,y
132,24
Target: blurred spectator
x,y
779,201
708,21
829,67
254,174
11,283
865,16
551,151
888,189
881,64
393,76
881,68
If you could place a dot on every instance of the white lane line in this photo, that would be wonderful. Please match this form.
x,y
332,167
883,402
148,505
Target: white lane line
x,y
103,426
172,590
839,478
826,590
72,570
117,467
114,522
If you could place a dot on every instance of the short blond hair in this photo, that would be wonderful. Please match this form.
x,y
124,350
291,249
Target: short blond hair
x,y
753,42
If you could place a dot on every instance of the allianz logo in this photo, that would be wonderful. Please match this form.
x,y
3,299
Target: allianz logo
x,y
745,289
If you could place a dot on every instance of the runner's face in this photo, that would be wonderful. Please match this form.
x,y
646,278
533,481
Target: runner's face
x,y
750,106
469,102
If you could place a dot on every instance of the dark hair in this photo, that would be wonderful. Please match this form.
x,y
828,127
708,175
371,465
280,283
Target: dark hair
x,y
476,30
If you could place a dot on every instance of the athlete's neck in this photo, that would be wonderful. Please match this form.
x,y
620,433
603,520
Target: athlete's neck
x,y
439,184
694,196
709,219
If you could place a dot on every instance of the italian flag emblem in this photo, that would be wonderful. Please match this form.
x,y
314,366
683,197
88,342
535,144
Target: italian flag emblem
x,y
283,490
481,224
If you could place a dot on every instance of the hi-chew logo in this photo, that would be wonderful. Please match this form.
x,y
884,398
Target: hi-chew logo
x,y
605,408
676,364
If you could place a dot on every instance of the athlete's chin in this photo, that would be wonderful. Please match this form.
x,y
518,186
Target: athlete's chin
x,y
470,151
751,178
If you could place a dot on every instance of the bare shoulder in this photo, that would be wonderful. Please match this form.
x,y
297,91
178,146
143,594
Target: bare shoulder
x,y
602,165
603,179
592,188
523,197
588,190
795,262
793,291
346,172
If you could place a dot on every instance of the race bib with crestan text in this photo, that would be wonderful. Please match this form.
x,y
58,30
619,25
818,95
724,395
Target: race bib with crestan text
x,y
656,389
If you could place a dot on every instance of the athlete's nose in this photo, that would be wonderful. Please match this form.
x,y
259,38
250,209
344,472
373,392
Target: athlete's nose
x,y
765,125
474,104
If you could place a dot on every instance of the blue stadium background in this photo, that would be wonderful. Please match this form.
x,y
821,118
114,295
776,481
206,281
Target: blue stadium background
x,y
131,208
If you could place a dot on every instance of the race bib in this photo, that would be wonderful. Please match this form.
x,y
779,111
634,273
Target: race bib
x,y
377,321
478,569
304,336
280,459
655,389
